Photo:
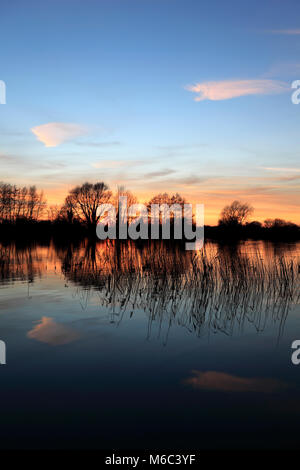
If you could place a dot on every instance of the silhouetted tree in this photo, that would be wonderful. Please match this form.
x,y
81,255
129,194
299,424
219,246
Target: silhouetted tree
x,y
85,201
235,214
165,198
20,203
53,212
255,225
277,223
282,229
123,192
67,211
35,203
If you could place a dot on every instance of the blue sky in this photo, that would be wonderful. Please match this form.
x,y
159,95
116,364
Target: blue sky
x,y
107,86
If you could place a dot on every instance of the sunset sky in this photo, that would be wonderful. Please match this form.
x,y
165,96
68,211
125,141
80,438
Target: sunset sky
x,y
183,96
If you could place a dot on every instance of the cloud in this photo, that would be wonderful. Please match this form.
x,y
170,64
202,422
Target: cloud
x,y
288,32
227,89
181,182
283,69
109,164
28,164
55,133
190,180
98,144
180,147
48,331
157,174
220,381
288,178
271,168
10,158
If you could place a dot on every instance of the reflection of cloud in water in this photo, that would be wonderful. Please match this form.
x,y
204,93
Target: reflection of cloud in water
x,y
220,381
48,331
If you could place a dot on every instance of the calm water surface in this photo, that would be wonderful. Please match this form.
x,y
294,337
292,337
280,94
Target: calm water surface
x,y
127,346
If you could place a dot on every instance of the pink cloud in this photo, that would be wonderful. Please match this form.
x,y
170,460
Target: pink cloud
x,y
227,89
55,133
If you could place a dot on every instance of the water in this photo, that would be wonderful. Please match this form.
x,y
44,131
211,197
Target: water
x,y
128,346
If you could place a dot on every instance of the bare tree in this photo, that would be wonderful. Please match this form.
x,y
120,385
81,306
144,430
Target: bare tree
x,y
131,199
20,203
278,223
35,204
85,201
67,212
175,201
235,214
165,198
53,212
121,192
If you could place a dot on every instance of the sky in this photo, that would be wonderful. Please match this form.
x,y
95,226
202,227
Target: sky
x,y
183,96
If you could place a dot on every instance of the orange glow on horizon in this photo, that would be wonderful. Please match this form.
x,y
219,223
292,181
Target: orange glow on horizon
x,y
283,206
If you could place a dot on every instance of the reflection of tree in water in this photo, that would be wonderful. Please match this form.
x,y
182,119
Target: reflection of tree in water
x,y
20,263
25,262
219,289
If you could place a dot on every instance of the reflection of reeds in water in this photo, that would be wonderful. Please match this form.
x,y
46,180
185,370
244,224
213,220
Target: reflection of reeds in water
x,y
219,289
214,290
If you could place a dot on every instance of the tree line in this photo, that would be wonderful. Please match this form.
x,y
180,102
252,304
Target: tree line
x,y
81,207
20,203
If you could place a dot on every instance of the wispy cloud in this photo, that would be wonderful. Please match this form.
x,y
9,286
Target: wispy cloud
x,y
280,169
227,89
181,147
28,164
109,164
173,184
288,32
55,133
220,381
98,144
283,70
192,180
10,158
157,174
